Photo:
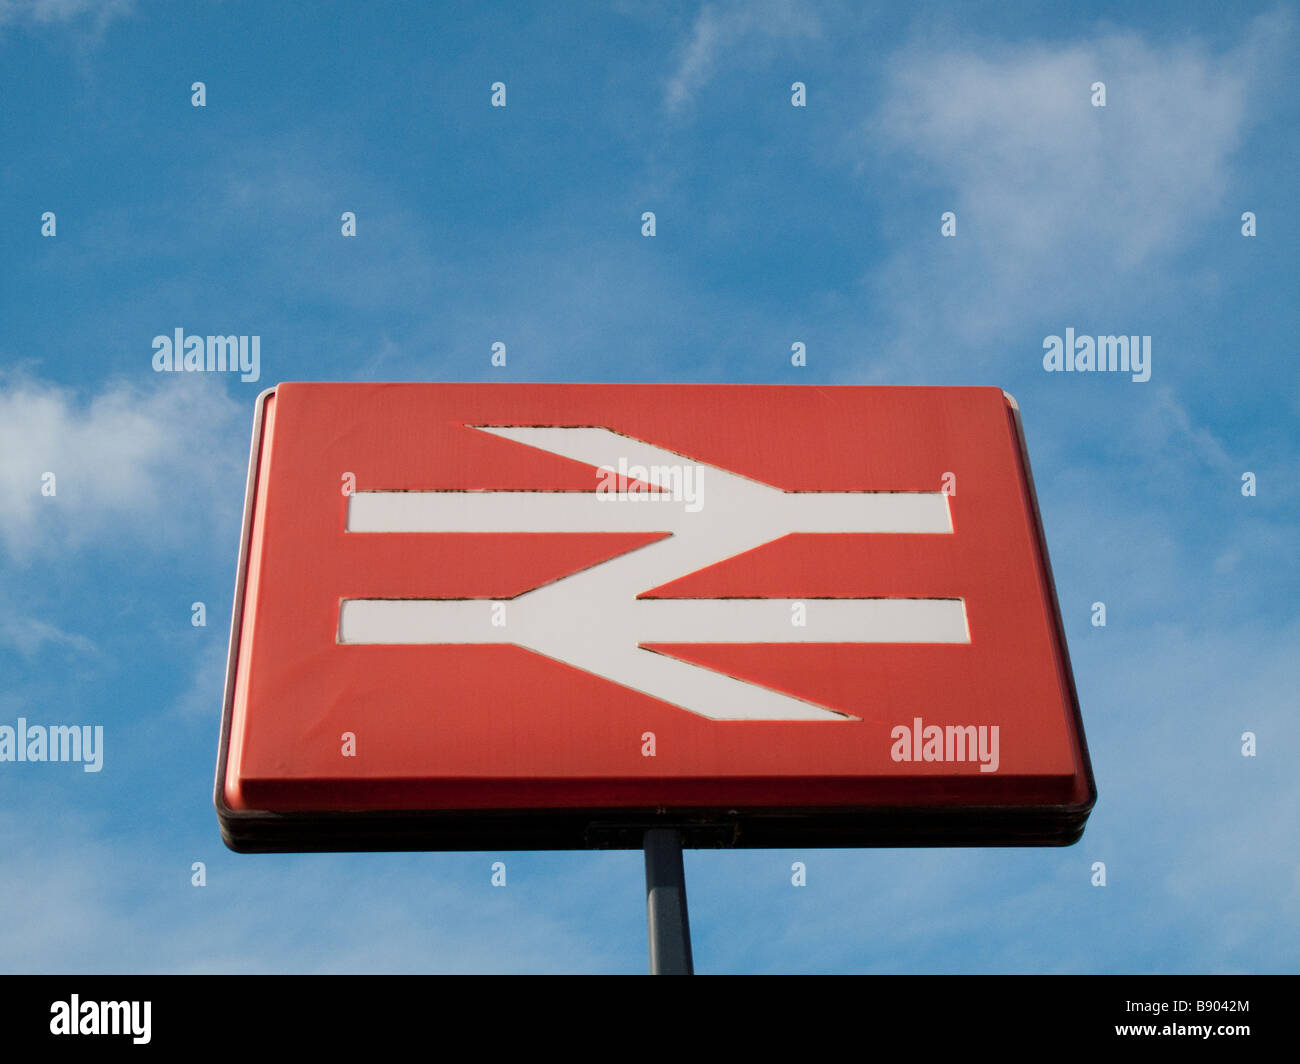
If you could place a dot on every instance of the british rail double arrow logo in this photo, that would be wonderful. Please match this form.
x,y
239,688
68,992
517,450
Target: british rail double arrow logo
x,y
603,619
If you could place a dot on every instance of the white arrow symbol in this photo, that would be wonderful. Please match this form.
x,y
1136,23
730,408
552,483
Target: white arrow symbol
x,y
594,620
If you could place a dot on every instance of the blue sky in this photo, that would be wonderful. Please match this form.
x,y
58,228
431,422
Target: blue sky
x,y
776,224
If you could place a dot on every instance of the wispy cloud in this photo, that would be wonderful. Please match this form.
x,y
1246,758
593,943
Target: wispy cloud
x,y
29,636
1059,201
201,700
720,31
92,14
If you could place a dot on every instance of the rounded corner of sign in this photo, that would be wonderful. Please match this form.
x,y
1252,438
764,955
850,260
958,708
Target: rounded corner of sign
x,y
265,394
230,799
229,839
1089,802
1010,400
1084,799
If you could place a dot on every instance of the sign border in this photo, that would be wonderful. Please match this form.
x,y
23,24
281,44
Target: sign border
x,y
756,827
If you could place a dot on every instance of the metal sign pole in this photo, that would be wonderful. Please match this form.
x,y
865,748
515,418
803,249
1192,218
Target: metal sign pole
x,y
665,901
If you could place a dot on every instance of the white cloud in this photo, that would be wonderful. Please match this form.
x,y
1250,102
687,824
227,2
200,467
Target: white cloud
x,y
1060,203
201,700
29,636
147,462
1168,429
49,12
720,29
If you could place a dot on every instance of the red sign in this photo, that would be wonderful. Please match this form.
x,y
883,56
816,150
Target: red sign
x,y
552,615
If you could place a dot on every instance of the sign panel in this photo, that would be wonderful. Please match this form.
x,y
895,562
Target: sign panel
x,y
536,616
